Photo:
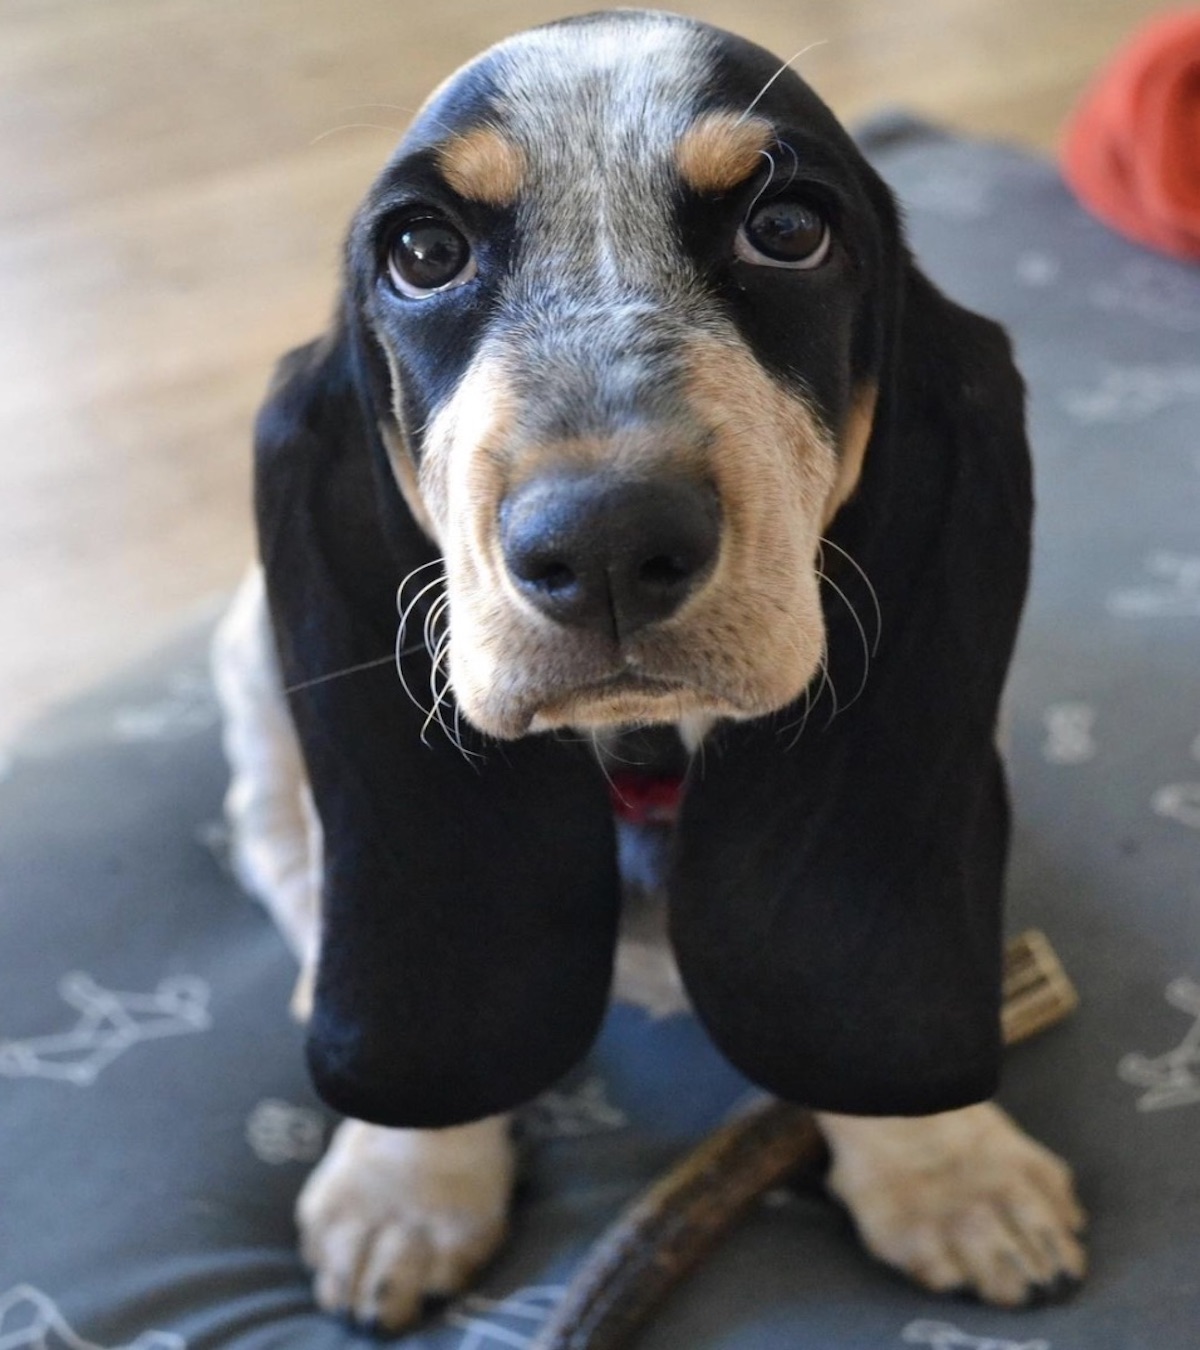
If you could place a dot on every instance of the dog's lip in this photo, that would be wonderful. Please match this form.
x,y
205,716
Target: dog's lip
x,y
626,681
571,702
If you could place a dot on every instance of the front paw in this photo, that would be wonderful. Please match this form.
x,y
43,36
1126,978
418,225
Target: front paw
x,y
390,1218
963,1201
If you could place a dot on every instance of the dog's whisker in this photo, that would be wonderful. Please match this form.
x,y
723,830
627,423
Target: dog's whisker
x,y
811,699
601,755
436,613
435,643
758,196
341,674
862,632
870,590
355,126
416,571
396,107
401,604
435,708
440,700
420,567
783,145
401,652
406,612
804,51
827,683
801,722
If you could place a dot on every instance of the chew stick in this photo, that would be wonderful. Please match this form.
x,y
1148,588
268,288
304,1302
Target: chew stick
x,y
669,1229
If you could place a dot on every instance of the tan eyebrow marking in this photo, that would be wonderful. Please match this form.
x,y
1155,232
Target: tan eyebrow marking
x,y
721,149
483,166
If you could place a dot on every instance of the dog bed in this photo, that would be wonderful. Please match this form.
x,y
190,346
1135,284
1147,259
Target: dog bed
x,y
156,1122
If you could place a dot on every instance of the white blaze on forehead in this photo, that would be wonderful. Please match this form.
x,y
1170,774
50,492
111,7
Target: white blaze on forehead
x,y
598,108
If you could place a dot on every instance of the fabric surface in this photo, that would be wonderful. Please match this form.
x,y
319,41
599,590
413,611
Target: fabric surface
x,y
1132,147
155,1118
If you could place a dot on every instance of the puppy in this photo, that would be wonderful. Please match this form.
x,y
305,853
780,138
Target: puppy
x,y
635,394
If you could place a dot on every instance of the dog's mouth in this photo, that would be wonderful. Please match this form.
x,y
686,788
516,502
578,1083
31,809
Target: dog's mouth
x,y
623,698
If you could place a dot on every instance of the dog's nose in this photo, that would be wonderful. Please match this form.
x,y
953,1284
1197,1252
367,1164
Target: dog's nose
x,y
607,553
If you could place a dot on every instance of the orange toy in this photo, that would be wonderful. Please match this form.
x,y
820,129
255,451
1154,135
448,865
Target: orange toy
x,y
1132,148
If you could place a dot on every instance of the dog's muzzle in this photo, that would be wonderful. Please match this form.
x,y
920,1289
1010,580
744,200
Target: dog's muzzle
x,y
607,553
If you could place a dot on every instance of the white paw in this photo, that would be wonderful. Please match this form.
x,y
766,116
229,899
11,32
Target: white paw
x,y
392,1217
961,1202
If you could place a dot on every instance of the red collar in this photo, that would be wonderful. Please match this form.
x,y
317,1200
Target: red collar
x,y
641,799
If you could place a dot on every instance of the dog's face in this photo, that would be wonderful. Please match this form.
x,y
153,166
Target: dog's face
x,y
620,274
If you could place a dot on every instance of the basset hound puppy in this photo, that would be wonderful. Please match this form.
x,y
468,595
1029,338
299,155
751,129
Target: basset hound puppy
x,y
636,413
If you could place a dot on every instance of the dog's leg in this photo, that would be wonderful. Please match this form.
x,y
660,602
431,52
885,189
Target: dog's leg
x,y
275,835
389,1216
960,1201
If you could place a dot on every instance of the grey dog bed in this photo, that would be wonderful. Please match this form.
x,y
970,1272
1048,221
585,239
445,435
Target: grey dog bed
x,y
155,1118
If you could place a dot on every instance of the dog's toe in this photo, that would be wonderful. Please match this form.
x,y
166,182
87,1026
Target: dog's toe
x,y
963,1202
392,1218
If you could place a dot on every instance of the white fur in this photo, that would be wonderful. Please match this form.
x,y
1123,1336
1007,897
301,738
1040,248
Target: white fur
x,y
275,833
390,1217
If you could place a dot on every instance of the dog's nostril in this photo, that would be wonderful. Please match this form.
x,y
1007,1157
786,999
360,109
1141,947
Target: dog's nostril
x,y
554,578
664,571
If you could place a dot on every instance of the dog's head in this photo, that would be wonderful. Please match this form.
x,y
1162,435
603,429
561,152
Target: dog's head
x,y
619,287
629,333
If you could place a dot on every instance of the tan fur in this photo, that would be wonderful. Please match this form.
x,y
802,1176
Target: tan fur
x,y
852,448
404,469
961,1200
721,149
391,1217
483,166
746,644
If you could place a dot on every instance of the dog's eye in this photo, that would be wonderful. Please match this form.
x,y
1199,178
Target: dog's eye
x,y
428,254
786,232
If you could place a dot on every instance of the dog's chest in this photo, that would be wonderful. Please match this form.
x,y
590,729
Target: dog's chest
x,y
645,768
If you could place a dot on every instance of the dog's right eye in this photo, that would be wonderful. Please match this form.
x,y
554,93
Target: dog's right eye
x,y
427,254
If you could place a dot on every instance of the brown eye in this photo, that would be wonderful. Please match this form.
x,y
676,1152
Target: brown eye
x,y
429,254
786,232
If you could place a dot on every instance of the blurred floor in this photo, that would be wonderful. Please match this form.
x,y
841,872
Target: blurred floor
x,y
177,174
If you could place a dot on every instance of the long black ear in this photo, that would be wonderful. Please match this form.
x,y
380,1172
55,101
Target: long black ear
x,y
837,893
469,905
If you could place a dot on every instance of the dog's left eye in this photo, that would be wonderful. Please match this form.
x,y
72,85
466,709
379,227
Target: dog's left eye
x,y
428,254
786,232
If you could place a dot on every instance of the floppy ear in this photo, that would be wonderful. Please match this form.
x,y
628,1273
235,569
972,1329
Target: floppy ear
x,y
469,905
836,898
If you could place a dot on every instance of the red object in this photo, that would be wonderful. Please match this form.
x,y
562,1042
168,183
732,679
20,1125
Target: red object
x,y
1132,148
642,800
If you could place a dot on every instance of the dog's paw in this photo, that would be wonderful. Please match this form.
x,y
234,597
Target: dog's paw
x,y
390,1218
961,1202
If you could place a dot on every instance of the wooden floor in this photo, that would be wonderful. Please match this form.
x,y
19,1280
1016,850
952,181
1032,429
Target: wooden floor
x,y
176,176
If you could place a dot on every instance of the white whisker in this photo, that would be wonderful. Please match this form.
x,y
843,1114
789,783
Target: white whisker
x,y
354,126
406,611
758,196
401,652
870,588
339,674
862,633
804,51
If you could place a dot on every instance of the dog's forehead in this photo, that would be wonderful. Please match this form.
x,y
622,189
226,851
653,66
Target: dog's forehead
x,y
614,89
582,82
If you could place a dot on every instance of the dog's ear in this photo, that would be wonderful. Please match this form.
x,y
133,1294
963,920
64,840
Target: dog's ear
x,y
469,904
837,893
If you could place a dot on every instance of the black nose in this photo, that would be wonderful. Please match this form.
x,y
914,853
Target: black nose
x,y
607,553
